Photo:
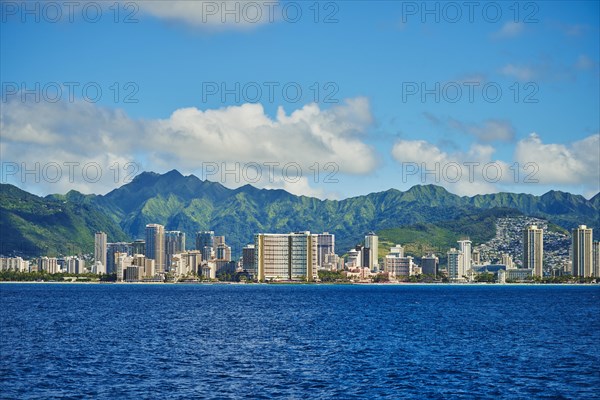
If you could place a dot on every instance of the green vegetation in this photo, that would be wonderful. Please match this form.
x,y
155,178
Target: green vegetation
x,y
15,276
422,219
332,276
422,238
485,277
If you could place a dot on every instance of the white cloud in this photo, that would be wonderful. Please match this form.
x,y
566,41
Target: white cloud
x,y
571,164
214,15
574,165
470,173
510,29
187,140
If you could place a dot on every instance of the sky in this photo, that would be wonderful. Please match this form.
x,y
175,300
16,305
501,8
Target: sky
x,y
330,99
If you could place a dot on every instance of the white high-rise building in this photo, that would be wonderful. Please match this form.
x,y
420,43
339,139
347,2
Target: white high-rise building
x,y
354,259
122,261
464,246
581,251
100,248
155,246
396,264
14,264
508,261
533,249
290,256
596,258
372,243
48,264
455,265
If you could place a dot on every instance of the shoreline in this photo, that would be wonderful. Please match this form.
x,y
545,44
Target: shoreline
x,y
304,283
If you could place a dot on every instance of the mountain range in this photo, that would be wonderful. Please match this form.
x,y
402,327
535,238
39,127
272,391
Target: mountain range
x,y
65,223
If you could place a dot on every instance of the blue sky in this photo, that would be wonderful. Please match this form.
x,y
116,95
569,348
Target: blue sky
x,y
373,59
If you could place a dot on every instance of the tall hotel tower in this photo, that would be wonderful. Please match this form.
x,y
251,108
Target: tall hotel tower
x,y
533,249
290,256
372,243
100,247
582,251
155,246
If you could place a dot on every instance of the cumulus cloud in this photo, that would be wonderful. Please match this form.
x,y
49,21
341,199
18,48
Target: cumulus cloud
x,y
465,173
187,140
574,165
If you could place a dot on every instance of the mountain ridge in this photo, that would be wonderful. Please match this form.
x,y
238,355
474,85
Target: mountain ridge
x,y
189,204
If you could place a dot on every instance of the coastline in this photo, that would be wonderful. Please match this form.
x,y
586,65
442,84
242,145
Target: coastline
x,y
304,283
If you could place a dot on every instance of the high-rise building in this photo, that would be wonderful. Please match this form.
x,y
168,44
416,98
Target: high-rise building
x,y
455,265
372,243
508,261
205,239
464,246
75,265
429,264
218,239
155,246
138,247
174,244
122,261
331,262
397,250
581,251
354,259
223,252
248,259
14,263
100,247
533,249
193,261
48,264
596,258
475,257
208,253
111,250
325,246
290,256
396,264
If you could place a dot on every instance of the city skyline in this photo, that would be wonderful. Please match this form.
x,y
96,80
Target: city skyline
x,y
300,256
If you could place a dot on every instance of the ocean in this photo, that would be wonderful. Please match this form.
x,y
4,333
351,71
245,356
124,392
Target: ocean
x,y
216,341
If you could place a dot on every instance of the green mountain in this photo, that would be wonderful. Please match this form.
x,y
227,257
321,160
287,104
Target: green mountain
x,y
32,225
189,204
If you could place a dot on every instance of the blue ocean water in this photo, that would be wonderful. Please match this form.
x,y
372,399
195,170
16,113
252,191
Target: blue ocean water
x,y
299,341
